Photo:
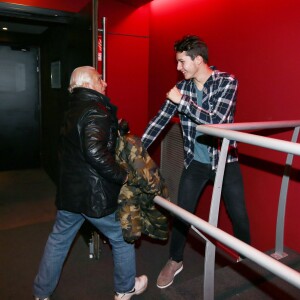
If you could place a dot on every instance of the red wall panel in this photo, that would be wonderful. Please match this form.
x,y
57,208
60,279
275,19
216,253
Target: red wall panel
x,y
127,60
258,41
123,19
127,78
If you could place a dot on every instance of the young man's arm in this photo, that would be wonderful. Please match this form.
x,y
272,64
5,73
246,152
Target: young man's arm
x,y
224,104
158,123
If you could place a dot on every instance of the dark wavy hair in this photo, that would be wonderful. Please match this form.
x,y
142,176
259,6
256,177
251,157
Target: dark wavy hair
x,y
193,46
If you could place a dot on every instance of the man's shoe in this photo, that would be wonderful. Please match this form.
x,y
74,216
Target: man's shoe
x,y
167,274
36,298
139,287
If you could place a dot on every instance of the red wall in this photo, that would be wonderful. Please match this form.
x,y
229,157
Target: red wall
x,y
127,60
258,41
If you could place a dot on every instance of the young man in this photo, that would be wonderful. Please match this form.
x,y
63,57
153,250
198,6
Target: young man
x,y
205,96
90,180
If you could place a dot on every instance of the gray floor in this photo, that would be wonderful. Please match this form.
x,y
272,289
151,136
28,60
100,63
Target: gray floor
x,y
27,213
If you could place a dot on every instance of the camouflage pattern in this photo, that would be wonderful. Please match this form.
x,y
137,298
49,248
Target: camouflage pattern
x,y
137,211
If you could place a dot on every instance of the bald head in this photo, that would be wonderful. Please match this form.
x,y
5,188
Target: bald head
x,y
87,77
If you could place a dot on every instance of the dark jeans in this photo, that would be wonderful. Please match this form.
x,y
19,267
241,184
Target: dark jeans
x,y
192,182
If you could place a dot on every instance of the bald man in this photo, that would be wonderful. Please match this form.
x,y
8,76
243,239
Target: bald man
x,y
90,180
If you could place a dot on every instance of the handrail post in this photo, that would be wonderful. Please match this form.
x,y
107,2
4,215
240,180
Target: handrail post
x,y
210,249
279,245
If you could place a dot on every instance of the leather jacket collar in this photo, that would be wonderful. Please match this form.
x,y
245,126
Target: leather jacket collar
x,y
86,94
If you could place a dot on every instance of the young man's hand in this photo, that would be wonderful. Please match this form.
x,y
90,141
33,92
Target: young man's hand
x,y
174,95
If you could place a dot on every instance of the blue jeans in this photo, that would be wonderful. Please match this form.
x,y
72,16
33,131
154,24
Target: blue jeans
x,y
66,226
192,182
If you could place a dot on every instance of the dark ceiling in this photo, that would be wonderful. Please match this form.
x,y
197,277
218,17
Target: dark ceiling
x,y
34,20
28,19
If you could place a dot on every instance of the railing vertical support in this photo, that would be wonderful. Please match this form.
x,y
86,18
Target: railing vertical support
x,y
282,202
210,249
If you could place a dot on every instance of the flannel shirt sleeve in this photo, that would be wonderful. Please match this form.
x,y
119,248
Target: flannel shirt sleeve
x,y
158,123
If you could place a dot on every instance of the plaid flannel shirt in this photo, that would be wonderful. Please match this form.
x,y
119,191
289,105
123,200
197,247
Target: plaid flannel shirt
x,y
218,106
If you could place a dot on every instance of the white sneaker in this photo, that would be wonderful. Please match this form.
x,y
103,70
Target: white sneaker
x,y
36,298
139,287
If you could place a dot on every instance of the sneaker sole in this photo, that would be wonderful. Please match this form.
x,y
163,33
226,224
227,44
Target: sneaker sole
x,y
176,273
125,296
143,289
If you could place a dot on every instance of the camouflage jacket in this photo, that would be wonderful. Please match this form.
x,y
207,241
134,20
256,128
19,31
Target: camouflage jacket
x,y
137,210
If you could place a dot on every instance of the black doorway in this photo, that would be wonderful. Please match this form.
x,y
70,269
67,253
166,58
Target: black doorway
x,y
56,37
19,108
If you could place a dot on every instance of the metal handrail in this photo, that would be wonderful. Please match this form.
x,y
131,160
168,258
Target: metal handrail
x,y
257,125
226,131
229,132
274,266
248,138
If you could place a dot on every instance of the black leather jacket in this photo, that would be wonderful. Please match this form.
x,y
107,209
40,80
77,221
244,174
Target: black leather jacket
x,y
89,179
